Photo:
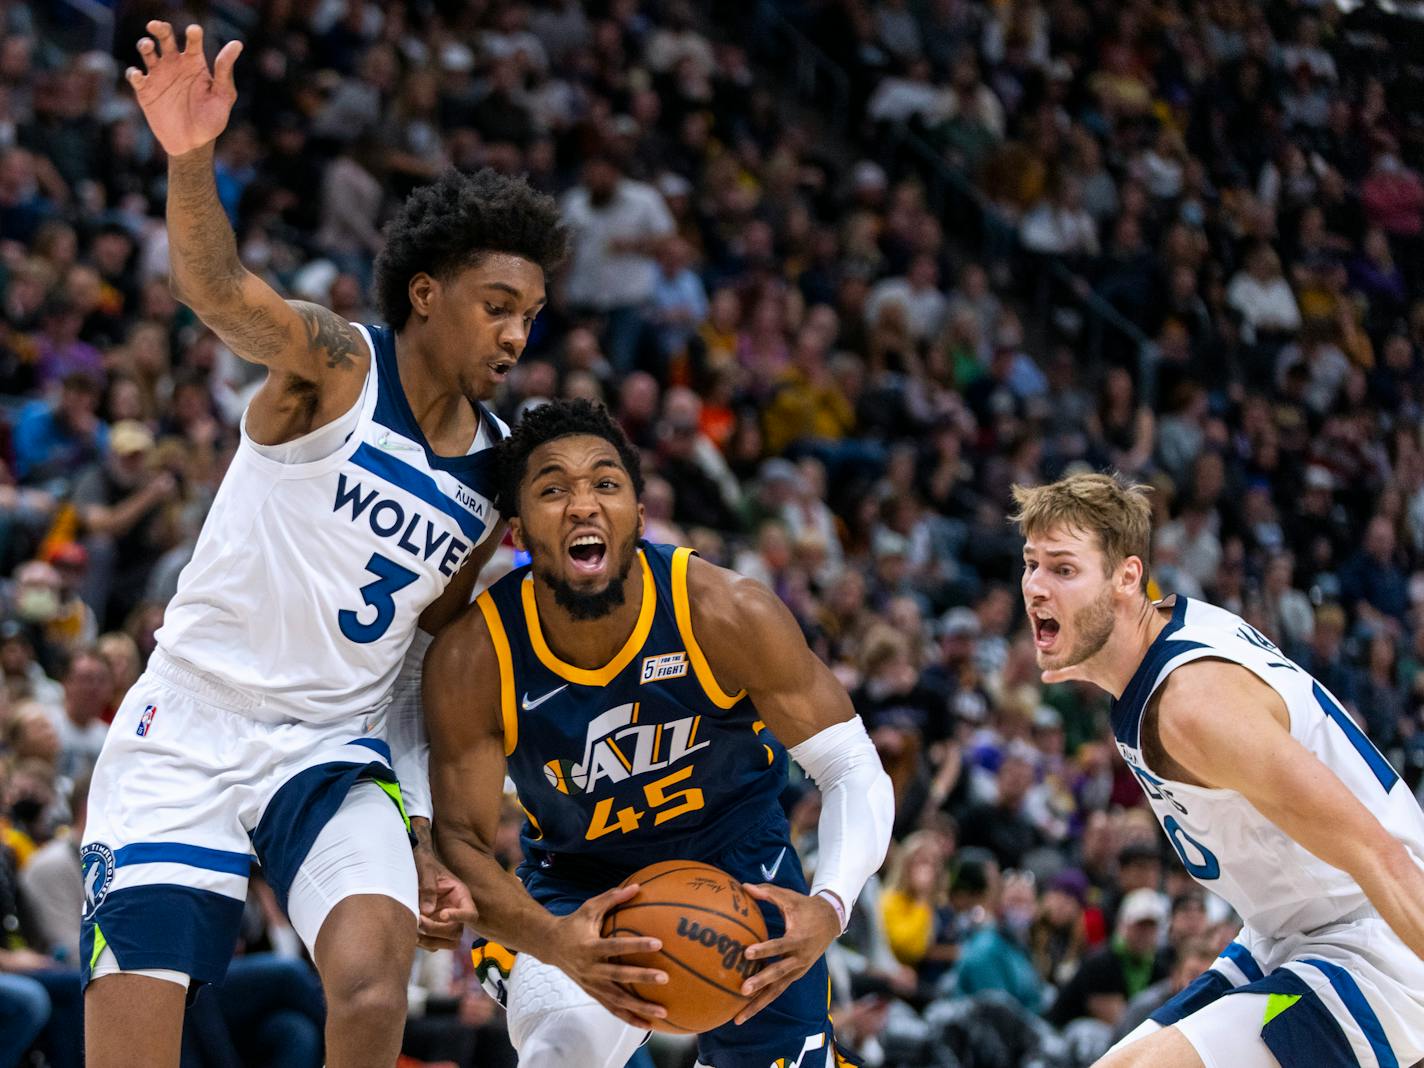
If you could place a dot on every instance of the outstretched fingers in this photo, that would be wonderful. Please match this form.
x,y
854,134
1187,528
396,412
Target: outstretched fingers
x,y
163,34
148,52
222,66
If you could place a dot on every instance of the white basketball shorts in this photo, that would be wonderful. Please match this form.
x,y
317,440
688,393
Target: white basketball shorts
x,y
191,791
1351,994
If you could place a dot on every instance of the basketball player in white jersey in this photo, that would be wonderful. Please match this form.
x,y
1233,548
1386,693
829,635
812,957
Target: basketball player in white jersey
x,y
1267,790
354,517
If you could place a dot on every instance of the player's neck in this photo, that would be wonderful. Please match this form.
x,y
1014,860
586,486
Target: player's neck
x,y
445,417
590,643
1117,662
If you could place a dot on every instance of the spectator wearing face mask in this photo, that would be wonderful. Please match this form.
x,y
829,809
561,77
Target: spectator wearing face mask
x,y
994,955
45,601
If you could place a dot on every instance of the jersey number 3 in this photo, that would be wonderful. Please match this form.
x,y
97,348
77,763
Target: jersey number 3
x,y
380,595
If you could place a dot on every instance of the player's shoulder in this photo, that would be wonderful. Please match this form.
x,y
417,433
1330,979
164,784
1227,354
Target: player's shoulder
x,y
748,635
722,597
1213,693
464,643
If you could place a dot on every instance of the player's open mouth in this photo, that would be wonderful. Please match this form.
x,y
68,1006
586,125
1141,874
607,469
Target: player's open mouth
x,y
587,554
1045,631
501,368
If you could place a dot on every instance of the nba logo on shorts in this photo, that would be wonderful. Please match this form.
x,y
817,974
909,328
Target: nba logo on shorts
x,y
146,720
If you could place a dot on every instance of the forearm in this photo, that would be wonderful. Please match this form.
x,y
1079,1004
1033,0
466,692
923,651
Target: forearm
x,y
122,517
202,250
1395,886
857,809
205,272
507,914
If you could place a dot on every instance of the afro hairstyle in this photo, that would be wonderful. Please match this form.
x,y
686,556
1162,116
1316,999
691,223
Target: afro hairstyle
x,y
455,222
559,419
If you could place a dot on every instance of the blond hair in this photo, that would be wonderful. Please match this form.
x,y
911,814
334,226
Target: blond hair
x,y
1108,507
898,877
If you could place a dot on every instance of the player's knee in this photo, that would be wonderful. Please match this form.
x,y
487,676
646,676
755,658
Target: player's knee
x,y
360,997
1136,1054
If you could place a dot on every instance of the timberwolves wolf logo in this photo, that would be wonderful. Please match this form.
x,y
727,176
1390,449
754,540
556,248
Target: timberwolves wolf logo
x,y
97,864
618,747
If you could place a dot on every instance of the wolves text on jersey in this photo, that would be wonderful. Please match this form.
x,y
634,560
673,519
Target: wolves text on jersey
x,y
415,533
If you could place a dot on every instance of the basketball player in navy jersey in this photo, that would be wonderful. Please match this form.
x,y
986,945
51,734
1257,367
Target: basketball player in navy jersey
x,y
644,703
355,514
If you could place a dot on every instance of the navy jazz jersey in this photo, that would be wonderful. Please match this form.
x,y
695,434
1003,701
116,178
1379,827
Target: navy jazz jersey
x,y
644,759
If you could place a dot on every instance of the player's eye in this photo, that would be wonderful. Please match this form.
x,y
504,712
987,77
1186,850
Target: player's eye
x,y
1065,571
494,309
607,483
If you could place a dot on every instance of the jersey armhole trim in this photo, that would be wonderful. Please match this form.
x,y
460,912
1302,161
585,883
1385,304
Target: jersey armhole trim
x,y
682,610
509,713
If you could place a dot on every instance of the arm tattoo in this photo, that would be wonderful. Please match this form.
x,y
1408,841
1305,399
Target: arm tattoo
x,y
207,274
328,335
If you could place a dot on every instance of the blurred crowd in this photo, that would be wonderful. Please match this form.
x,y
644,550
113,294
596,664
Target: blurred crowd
x,y
833,389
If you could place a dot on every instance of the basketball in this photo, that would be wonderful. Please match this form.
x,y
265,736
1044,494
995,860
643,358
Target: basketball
x,y
705,921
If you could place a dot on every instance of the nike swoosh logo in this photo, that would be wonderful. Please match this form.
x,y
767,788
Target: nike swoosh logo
x,y
530,706
770,873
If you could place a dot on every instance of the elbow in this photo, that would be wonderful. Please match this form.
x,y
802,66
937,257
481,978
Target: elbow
x,y
882,803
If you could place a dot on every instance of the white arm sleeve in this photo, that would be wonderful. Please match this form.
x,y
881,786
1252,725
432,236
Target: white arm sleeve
x,y
857,807
410,748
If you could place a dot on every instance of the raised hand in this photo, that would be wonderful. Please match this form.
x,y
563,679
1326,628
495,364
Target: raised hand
x,y
186,105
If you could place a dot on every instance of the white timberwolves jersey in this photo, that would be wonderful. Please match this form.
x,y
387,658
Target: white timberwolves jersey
x,y
1276,886
309,576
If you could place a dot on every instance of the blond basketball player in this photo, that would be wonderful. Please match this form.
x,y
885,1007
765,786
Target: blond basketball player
x,y
1269,793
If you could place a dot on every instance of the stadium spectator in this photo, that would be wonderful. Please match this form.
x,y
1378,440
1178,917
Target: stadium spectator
x,y
1183,243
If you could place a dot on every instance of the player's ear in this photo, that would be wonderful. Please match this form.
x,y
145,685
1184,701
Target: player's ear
x,y
422,290
516,533
1130,574
641,520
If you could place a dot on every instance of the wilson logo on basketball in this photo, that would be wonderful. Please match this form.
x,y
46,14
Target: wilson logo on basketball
x,y
733,952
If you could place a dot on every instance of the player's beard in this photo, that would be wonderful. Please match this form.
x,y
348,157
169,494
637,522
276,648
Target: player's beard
x,y
1093,626
585,607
